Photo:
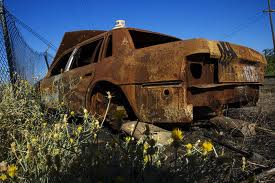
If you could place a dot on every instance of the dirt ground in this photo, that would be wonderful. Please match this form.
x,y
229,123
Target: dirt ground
x,y
262,145
259,149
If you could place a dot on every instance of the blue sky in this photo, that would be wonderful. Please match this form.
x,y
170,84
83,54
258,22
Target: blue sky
x,y
237,21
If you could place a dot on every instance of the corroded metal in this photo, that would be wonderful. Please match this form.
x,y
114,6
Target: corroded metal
x,y
166,83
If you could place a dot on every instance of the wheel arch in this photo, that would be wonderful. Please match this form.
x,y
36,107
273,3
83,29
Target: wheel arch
x,y
115,89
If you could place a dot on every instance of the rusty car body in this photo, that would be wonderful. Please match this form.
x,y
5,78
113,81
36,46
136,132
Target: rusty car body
x,y
154,77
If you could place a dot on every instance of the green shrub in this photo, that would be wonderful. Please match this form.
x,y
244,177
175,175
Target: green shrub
x,y
270,57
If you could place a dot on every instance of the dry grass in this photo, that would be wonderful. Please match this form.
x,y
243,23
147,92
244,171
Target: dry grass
x,y
56,147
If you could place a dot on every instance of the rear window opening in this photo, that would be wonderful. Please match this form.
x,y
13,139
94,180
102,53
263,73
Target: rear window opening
x,y
146,39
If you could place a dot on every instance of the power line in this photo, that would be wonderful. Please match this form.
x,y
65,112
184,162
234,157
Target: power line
x,y
271,23
38,36
243,26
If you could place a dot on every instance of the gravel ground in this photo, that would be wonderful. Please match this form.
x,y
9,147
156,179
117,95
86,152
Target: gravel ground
x,y
262,143
262,146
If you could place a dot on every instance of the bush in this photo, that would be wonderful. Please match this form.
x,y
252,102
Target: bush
x,y
270,57
41,146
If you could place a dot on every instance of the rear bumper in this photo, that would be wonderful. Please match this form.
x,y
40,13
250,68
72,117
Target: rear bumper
x,y
218,95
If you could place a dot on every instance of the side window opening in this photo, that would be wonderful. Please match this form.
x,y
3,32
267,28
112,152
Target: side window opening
x,y
87,54
60,66
109,47
146,39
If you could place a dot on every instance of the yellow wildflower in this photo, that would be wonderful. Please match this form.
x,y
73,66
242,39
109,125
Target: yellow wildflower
x,y
177,134
55,135
75,133
13,147
65,118
86,113
170,141
57,126
189,148
145,159
72,113
65,125
71,140
34,140
145,147
60,135
12,170
3,177
79,129
127,139
158,163
44,124
56,151
96,124
207,147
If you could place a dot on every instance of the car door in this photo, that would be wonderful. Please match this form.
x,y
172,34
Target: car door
x,y
79,73
51,85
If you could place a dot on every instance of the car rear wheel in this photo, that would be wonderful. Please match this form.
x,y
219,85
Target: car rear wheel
x,y
108,109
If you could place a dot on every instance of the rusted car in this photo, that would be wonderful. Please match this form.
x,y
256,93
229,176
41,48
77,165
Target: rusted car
x,y
152,77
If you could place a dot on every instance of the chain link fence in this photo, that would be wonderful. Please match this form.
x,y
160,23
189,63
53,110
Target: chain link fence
x,y
4,67
16,56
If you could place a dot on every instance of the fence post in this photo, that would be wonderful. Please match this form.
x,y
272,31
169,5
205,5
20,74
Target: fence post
x,y
7,42
46,59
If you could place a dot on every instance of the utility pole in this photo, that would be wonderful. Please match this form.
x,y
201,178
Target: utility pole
x,y
270,11
7,41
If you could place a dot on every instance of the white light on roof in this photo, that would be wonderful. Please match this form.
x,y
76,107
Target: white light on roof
x,y
119,24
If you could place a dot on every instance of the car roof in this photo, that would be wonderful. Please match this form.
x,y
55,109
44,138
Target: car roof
x,y
71,39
